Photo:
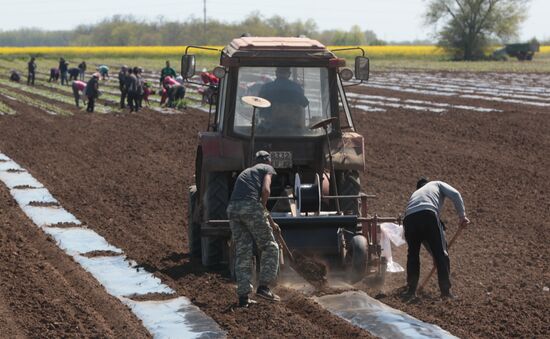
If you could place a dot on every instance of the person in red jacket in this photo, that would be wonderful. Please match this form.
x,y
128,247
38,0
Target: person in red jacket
x,y
79,90
208,93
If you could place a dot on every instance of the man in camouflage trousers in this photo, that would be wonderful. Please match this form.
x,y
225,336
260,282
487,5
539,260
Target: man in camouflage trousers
x,y
249,222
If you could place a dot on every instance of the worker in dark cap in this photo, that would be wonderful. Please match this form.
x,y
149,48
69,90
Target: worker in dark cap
x,y
250,223
92,91
122,85
422,224
31,66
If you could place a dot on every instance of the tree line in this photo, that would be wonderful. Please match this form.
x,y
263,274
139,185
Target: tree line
x,y
129,31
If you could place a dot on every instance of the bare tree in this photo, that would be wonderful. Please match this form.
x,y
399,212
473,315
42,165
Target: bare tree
x,y
468,25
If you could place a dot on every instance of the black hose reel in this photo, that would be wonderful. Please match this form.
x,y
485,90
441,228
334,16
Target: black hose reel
x,y
308,196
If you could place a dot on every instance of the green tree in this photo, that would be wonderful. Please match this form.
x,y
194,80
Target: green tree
x,y
468,25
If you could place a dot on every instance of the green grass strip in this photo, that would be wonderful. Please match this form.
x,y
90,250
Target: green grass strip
x,y
5,109
45,106
51,95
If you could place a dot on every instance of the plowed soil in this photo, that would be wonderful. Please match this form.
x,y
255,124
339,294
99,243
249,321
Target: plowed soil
x,y
126,177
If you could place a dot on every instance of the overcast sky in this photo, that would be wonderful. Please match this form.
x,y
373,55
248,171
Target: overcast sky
x,y
393,20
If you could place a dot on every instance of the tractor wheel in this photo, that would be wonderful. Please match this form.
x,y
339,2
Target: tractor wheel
x,y
193,224
216,198
349,184
359,254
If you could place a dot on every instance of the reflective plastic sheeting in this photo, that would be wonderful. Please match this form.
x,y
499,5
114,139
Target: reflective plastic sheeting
x,y
120,277
6,165
77,240
47,215
13,179
379,319
26,196
394,233
174,318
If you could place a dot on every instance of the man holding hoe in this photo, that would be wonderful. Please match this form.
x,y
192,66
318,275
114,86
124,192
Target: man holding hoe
x,y
423,225
250,223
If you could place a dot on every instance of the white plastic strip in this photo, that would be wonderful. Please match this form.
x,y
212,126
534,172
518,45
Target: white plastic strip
x,y
49,215
173,318
166,318
78,240
121,278
381,320
6,165
361,97
13,179
26,196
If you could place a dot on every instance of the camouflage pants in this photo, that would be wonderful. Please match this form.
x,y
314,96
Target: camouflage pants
x,y
249,224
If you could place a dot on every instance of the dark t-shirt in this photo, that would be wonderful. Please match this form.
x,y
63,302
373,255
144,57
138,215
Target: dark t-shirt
x,y
250,181
92,87
284,91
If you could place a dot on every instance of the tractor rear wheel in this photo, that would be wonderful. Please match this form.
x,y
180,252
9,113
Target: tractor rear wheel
x,y
349,184
193,224
359,255
216,199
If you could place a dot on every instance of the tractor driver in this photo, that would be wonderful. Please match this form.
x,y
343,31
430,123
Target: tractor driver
x,y
287,102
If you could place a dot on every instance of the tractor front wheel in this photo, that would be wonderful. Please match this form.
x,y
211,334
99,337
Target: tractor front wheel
x,y
216,198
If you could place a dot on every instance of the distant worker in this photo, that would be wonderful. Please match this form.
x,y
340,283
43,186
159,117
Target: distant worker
x,y
79,92
208,92
14,76
122,74
74,73
104,71
31,67
141,83
92,91
132,88
175,92
167,71
63,70
82,67
249,222
423,225
54,75
147,91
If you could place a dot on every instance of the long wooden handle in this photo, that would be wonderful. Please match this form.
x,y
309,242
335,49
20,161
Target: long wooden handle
x,y
457,234
283,244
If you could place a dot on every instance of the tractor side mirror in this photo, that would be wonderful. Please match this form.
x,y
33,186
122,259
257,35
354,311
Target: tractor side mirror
x,y
362,68
188,66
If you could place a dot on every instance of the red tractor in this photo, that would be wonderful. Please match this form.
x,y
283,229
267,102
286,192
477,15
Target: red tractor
x,y
315,149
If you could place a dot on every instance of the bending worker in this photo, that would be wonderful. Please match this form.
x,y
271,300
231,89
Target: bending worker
x,y
248,219
423,225
79,92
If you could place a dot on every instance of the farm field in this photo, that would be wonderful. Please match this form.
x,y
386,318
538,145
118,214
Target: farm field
x,y
125,176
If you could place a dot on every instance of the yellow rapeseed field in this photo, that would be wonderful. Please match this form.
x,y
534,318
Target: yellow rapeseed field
x,y
105,51
405,51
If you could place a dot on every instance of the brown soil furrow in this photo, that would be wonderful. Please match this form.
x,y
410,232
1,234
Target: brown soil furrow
x,y
44,293
127,176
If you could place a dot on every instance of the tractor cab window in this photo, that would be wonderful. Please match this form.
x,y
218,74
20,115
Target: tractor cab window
x,y
299,98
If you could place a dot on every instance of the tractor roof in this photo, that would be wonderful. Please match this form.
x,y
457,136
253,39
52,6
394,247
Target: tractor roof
x,y
276,47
